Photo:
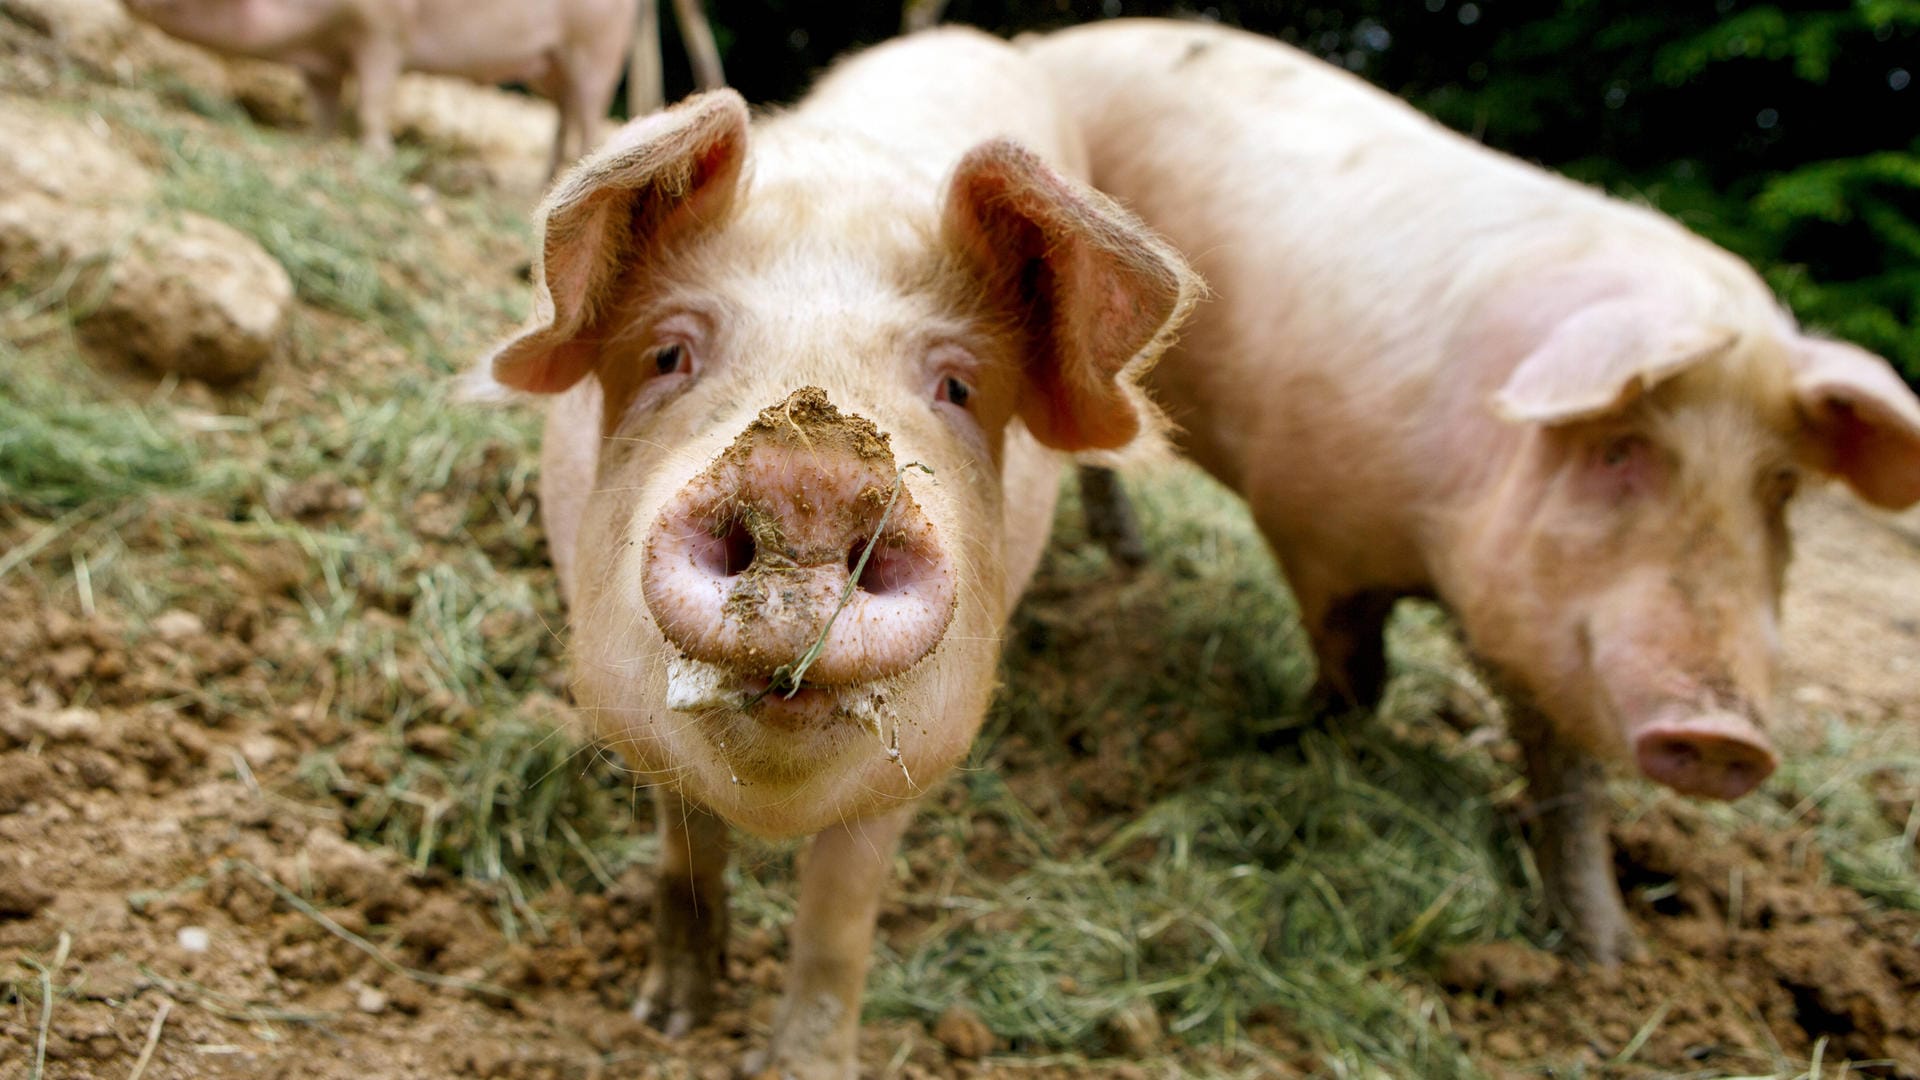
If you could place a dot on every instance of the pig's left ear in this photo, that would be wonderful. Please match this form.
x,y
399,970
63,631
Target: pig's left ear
x,y
1603,356
1865,422
605,223
1088,287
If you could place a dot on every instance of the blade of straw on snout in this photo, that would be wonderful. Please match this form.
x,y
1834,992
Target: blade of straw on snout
x,y
789,675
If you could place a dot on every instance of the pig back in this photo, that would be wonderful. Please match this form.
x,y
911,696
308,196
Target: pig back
x,y
934,95
1347,240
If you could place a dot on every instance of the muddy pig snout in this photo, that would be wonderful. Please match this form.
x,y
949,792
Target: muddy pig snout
x,y
1715,755
747,566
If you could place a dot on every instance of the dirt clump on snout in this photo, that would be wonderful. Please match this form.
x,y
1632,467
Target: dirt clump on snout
x,y
807,421
795,502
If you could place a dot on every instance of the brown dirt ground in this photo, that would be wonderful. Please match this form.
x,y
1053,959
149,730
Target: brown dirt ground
x,y
144,818
149,844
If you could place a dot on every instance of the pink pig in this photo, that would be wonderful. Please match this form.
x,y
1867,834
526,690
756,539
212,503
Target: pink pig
x,y
568,50
1432,369
814,375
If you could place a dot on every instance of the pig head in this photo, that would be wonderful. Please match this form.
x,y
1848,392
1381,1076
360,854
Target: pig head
x,y
802,380
1623,571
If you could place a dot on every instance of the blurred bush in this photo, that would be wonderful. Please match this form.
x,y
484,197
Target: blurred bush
x,y
1789,133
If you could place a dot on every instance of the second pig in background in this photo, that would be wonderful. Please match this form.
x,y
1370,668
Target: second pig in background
x,y
567,50
1434,370
813,376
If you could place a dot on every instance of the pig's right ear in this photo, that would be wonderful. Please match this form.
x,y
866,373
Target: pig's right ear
x,y
1088,288
1602,357
658,179
1865,422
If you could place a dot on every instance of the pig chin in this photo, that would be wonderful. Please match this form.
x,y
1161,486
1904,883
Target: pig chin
x,y
778,768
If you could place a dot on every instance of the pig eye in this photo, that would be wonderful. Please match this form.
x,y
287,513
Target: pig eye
x,y
1779,486
1622,451
1623,467
670,359
955,392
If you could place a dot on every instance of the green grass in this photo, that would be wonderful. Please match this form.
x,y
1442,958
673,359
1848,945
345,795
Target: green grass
x,y
61,451
1309,880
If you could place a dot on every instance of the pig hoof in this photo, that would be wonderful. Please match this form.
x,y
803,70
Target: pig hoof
x,y
1605,946
675,1003
815,1037
769,1064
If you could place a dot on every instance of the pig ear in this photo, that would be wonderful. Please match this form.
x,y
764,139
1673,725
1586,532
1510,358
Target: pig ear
x,y
1090,289
1603,356
657,179
1865,422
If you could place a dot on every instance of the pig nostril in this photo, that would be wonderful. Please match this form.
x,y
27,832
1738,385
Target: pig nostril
x,y
1682,755
725,554
738,550
889,569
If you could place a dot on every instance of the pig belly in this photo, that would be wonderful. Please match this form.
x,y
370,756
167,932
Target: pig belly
x,y
489,40
269,29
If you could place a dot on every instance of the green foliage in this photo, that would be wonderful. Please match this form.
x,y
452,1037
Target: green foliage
x,y
1747,127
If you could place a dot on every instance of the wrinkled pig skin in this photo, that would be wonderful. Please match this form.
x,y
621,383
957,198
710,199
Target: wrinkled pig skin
x,y
570,51
1433,370
882,316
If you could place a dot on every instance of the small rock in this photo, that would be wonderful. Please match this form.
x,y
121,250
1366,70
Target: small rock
x,y
66,158
315,498
26,724
1136,1030
963,1033
112,980
370,1001
194,939
432,740
1503,969
259,749
175,626
24,779
21,894
193,297
1505,1044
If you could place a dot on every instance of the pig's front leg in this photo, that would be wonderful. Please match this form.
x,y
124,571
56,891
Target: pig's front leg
x,y
816,1031
324,91
377,62
1111,521
1569,839
689,918
1348,631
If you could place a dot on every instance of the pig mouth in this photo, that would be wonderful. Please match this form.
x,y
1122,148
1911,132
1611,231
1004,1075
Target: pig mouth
x,y
697,687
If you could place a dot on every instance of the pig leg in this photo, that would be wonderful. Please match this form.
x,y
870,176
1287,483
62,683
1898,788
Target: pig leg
x,y
588,75
557,87
689,918
816,1032
1110,518
1569,838
323,90
376,70
1349,636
